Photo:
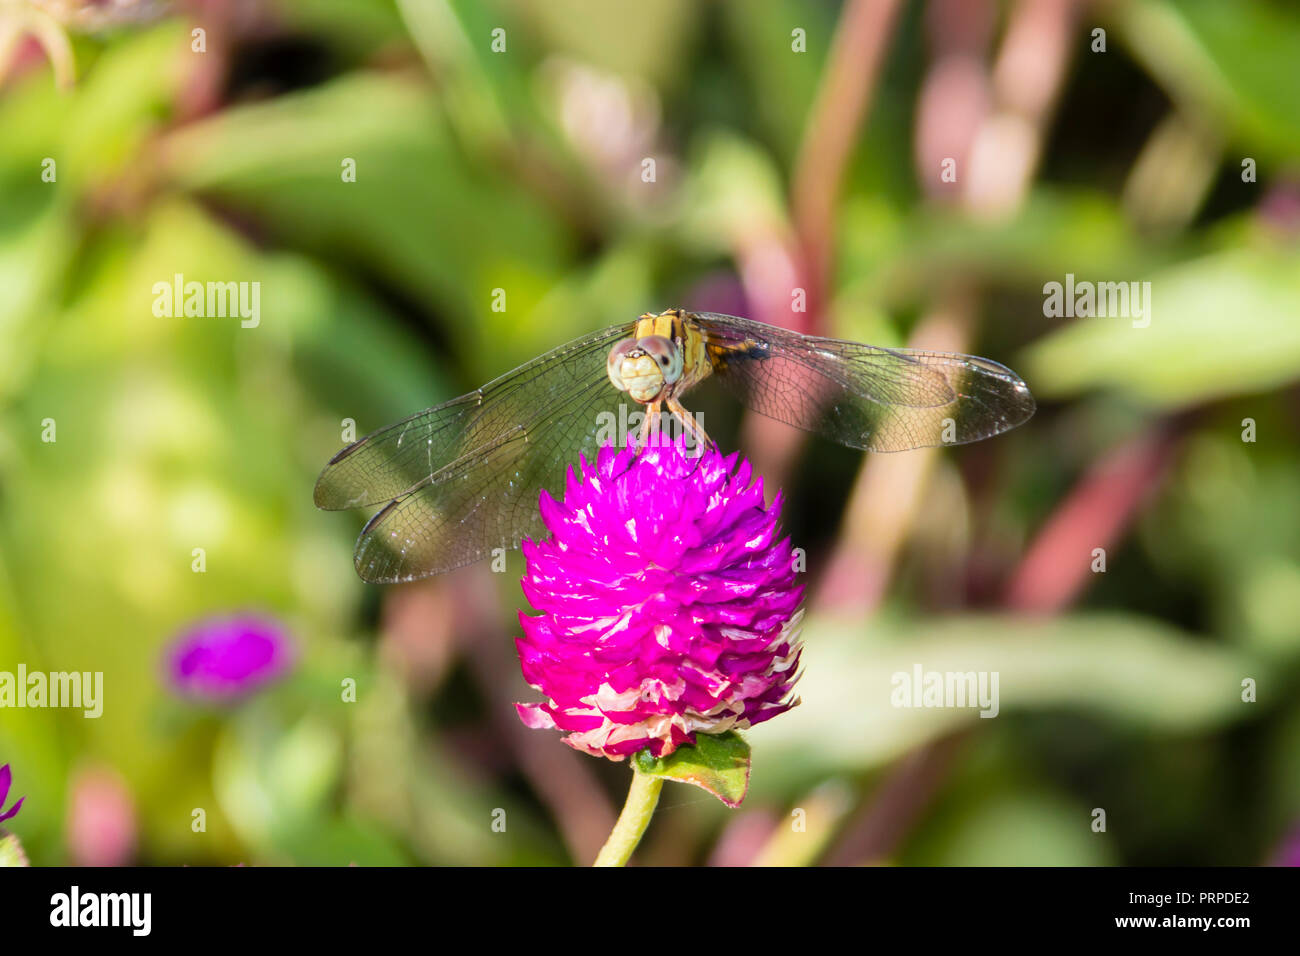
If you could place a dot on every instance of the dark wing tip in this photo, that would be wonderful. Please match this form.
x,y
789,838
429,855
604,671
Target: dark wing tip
x,y
1002,391
1024,404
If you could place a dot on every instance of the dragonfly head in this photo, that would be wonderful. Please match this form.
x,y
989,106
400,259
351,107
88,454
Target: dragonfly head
x,y
645,367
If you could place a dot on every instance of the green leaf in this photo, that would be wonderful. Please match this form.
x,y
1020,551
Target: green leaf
x,y
11,851
718,763
1220,325
1134,671
280,160
1225,57
1021,827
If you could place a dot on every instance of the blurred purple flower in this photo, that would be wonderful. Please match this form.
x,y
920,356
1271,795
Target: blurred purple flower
x,y
6,777
1288,854
668,604
223,658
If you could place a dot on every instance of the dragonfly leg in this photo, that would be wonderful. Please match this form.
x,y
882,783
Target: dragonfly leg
x,y
699,439
650,426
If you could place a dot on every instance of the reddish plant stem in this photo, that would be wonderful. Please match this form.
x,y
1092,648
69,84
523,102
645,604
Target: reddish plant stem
x,y
1003,152
848,82
1058,565
857,52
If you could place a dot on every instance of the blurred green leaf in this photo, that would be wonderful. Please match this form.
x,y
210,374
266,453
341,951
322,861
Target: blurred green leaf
x,y
1226,523
1250,46
97,134
784,82
478,171
1135,671
420,214
275,780
402,775
358,27
1021,828
1221,325
735,195
599,34
343,842
894,254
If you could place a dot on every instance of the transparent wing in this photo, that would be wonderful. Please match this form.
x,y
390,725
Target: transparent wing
x,y
860,395
487,498
399,458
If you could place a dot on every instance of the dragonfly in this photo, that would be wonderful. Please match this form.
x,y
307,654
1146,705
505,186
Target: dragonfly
x,y
462,479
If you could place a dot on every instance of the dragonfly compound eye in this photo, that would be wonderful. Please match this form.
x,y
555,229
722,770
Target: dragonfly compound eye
x,y
614,365
666,355
643,367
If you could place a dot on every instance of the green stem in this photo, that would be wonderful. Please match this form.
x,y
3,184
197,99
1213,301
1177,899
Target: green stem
x,y
637,811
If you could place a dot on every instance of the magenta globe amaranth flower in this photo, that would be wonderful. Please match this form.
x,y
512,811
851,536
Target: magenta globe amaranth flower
x,y
6,779
227,657
668,603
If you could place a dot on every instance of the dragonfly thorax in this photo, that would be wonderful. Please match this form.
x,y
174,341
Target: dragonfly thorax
x,y
646,367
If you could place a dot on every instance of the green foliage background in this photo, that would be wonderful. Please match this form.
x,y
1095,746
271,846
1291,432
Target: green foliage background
x,y
179,433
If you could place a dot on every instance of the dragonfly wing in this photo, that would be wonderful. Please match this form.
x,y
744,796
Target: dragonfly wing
x,y
399,458
487,498
861,395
